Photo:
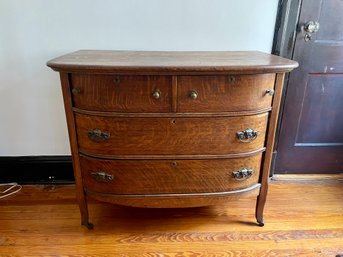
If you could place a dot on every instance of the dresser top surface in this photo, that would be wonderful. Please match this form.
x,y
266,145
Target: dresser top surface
x,y
104,61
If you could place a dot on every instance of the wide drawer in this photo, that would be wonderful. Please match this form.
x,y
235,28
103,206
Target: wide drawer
x,y
180,136
224,93
121,93
168,176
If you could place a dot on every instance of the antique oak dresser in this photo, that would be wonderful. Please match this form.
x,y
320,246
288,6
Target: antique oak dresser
x,y
171,129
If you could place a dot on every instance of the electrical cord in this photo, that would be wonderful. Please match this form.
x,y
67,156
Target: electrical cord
x,y
13,188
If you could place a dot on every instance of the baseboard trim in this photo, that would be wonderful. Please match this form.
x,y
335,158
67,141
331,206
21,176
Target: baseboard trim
x,y
307,177
36,169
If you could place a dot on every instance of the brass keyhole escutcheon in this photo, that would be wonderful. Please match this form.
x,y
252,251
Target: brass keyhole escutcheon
x,y
116,80
173,164
232,79
174,121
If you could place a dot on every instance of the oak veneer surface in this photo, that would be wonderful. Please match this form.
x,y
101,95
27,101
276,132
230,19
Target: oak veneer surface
x,y
225,93
97,61
168,176
169,135
121,93
304,219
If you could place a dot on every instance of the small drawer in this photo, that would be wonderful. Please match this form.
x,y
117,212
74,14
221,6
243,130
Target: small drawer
x,y
225,93
121,93
169,176
158,136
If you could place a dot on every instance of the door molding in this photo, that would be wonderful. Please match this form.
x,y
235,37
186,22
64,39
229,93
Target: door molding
x,y
286,28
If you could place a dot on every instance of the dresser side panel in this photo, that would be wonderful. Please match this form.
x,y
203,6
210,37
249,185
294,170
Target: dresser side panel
x,y
65,83
270,140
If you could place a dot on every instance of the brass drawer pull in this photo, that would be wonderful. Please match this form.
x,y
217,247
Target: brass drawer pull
x,y
101,176
247,135
243,174
270,92
193,94
97,135
156,94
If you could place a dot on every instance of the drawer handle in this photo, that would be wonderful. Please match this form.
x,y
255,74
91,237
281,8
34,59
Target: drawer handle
x,y
97,135
101,176
193,94
247,135
270,92
156,94
242,174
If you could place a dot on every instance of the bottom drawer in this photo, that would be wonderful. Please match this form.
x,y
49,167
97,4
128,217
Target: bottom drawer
x,y
169,176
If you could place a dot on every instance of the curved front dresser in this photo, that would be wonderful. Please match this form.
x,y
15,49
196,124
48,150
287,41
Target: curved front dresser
x,y
171,129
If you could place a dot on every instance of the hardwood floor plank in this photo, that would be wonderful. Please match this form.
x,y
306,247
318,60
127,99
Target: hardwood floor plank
x,y
303,219
306,177
179,249
11,238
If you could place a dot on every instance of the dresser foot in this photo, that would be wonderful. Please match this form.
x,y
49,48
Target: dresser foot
x,y
259,210
260,223
88,225
85,219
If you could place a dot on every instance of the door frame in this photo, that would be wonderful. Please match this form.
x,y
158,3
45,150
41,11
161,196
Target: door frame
x,y
286,29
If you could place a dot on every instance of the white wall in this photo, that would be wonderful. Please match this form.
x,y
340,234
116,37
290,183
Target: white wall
x,y
33,31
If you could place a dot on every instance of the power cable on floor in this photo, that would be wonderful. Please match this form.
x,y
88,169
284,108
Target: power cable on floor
x,y
10,189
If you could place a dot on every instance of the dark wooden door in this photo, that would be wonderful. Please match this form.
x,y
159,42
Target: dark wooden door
x,y
311,134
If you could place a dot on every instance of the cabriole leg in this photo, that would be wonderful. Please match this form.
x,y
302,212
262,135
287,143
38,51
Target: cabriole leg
x,y
260,202
84,213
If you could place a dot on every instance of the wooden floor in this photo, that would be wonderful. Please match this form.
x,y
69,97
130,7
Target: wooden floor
x,y
302,219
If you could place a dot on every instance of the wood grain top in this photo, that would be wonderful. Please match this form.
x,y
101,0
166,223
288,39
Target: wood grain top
x,y
106,61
